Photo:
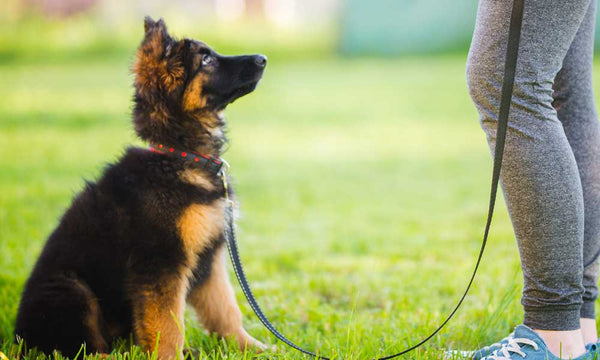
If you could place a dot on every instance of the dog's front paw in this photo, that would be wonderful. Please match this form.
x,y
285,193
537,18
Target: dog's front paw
x,y
274,349
259,347
246,341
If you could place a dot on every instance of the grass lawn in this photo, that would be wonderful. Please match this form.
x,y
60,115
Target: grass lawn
x,y
363,186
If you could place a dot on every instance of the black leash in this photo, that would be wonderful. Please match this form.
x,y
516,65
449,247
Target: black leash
x,y
512,50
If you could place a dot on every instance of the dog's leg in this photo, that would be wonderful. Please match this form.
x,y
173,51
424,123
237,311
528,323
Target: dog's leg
x,y
158,316
215,304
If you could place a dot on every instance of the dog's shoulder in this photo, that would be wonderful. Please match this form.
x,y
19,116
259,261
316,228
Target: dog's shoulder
x,y
170,194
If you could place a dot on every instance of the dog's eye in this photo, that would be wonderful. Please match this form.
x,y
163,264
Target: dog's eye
x,y
207,60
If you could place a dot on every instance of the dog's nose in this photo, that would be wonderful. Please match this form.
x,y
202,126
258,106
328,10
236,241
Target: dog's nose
x,y
260,60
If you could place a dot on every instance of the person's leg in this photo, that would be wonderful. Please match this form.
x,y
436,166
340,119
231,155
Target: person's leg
x,y
576,108
540,179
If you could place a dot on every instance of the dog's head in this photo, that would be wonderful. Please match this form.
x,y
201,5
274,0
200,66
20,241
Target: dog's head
x,y
182,86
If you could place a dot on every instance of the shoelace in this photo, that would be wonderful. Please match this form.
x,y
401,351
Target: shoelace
x,y
512,347
500,343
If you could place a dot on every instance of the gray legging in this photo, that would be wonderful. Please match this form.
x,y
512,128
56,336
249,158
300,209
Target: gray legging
x,y
551,169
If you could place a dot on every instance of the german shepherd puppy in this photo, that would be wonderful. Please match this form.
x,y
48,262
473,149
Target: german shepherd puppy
x,y
147,237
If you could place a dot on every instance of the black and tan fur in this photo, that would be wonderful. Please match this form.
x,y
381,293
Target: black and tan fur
x,y
147,237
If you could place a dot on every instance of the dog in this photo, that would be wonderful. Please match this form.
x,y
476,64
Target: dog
x,y
147,237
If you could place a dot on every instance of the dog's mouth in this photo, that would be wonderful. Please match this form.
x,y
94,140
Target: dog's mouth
x,y
237,93
241,91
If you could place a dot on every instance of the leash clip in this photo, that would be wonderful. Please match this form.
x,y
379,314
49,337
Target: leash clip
x,y
224,171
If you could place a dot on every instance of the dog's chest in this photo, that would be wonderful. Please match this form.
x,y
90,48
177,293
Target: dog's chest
x,y
199,226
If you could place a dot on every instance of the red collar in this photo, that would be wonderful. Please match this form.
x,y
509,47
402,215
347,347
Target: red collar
x,y
208,163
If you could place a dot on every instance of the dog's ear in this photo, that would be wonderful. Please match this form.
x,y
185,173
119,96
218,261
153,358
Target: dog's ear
x,y
156,67
157,40
149,23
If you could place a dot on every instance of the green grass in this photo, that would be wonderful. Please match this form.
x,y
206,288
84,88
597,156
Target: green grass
x,y
363,186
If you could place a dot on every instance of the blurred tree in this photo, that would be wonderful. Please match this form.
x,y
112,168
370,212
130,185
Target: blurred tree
x,y
10,10
230,10
58,8
255,8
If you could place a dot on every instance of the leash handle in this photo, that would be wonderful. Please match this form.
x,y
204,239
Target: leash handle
x,y
512,51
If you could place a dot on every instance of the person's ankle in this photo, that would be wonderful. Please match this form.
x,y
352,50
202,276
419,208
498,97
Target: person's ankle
x,y
588,328
563,344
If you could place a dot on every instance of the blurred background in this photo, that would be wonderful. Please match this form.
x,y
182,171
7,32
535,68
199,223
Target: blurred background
x,y
353,27
349,27
359,162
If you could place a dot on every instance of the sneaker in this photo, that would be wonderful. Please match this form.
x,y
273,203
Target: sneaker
x,y
527,343
488,350
478,354
594,351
